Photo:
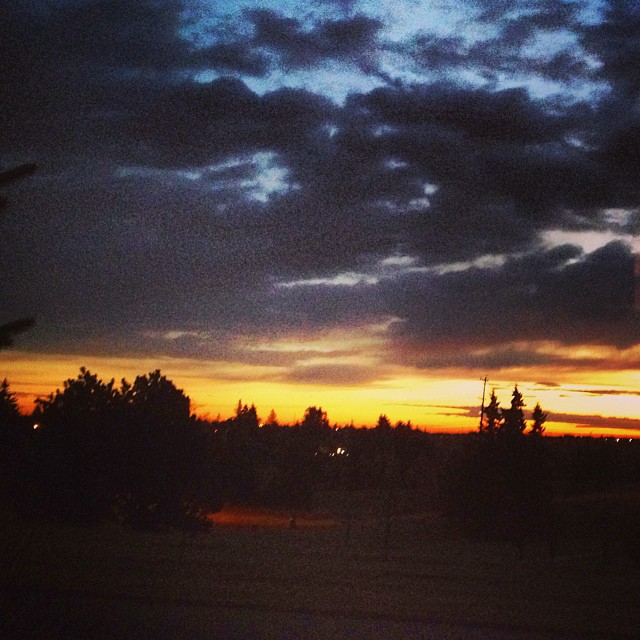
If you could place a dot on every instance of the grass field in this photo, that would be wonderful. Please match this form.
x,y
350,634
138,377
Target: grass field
x,y
252,576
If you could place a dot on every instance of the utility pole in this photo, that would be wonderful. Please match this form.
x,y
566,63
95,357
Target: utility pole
x,y
484,388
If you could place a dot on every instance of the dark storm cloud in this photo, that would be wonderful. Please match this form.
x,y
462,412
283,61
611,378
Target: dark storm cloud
x,y
483,318
167,202
330,374
230,57
330,306
66,66
491,116
616,43
587,422
548,13
113,34
491,58
194,124
346,5
500,162
146,255
495,157
538,297
347,39
518,46
497,359
607,392
191,123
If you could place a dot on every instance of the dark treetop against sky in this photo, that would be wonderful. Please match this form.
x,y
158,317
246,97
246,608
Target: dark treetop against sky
x,y
459,180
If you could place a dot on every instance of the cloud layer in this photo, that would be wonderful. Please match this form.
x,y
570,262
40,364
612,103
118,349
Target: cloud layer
x,y
193,161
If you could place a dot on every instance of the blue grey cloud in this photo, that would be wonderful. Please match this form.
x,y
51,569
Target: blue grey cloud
x,y
184,174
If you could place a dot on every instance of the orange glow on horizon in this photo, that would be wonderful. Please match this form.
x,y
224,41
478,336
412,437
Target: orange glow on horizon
x,y
445,401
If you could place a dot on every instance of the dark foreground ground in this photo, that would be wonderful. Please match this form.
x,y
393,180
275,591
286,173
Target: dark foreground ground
x,y
321,580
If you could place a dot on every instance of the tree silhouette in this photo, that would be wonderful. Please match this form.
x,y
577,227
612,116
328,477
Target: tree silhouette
x,y
500,487
12,422
492,416
383,423
514,423
155,399
83,400
272,419
9,411
13,440
539,417
246,418
132,450
73,467
315,419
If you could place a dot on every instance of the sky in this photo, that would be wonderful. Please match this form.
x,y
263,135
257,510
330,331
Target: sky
x,y
365,206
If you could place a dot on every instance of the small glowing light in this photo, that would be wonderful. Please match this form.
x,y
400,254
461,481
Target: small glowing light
x,y
36,426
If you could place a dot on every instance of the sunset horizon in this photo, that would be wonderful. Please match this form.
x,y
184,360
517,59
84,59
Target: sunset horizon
x,y
320,319
365,206
429,402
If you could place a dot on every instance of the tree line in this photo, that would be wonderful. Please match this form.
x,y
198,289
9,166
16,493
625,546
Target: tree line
x,y
510,422
135,453
95,448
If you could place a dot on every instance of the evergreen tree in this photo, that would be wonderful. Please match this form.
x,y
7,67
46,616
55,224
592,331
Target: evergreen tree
x,y
383,423
155,399
315,419
9,411
514,423
75,466
13,434
168,455
246,417
132,451
539,417
492,416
